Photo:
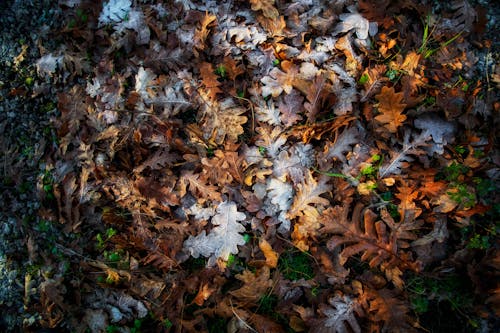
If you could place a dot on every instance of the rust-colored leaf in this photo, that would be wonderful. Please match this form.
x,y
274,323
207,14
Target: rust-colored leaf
x,y
390,107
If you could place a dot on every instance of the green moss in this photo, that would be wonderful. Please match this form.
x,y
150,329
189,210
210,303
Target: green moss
x,y
296,265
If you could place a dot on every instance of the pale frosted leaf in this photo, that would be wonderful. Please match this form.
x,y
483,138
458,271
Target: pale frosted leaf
x,y
441,131
114,11
308,192
399,159
353,21
280,193
343,144
268,113
340,315
224,238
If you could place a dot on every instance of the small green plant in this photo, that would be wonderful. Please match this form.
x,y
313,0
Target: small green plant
x,y
167,323
48,184
262,151
29,81
44,225
101,240
363,79
393,74
137,326
427,49
221,71
462,195
453,289
481,242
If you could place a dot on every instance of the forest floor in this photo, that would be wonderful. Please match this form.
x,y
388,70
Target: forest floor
x,y
249,166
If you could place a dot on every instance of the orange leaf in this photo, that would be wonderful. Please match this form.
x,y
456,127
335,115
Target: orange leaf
x,y
269,253
203,294
390,107
407,195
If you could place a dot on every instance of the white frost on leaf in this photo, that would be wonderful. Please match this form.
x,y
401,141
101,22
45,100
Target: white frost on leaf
x,y
48,64
224,238
356,22
268,113
143,80
341,315
441,131
120,14
279,199
400,159
114,11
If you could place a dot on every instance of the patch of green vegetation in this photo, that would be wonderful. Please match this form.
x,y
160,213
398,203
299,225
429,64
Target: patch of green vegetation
x,y
461,194
429,45
295,265
393,74
454,290
453,171
167,323
262,151
210,152
221,71
482,233
194,264
112,329
48,185
44,225
102,239
216,325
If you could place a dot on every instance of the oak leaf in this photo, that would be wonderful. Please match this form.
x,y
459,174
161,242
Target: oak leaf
x,y
223,121
390,107
202,31
199,188
382,243
266,6
209,80
255,285
224,238
309,193
340,315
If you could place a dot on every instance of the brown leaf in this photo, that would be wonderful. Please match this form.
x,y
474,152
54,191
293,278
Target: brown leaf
x,y
267,8
199,188
232,69
254,287
390,107
202,31
209,80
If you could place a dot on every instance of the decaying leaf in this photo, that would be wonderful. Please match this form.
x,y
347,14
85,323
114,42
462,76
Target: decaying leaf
x,y
254,287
